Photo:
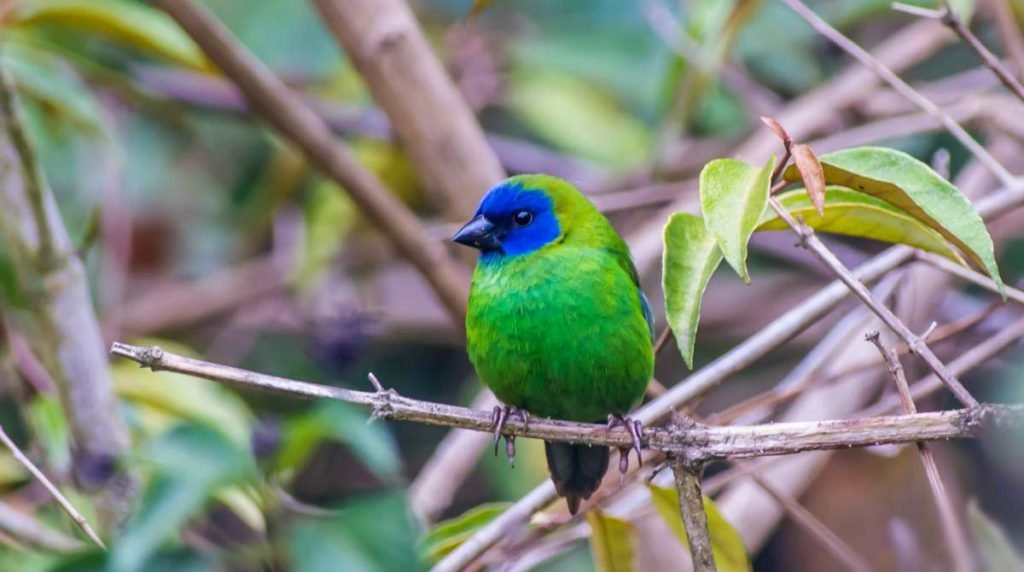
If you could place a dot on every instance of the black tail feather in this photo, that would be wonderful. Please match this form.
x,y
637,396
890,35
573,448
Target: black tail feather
x,y
576,470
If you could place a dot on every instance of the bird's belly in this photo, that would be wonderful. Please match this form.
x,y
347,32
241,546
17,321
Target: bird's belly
x,y
571,361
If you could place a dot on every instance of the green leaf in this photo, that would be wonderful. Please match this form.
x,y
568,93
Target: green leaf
x,y
913,186
45,415
611,541
690,257
726,542
733,196
375,532
346,424
994,548
129,23
578,117
450,534
49,82
191,463
851,213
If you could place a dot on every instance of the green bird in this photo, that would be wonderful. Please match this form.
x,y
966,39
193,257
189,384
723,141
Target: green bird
x,y
557,325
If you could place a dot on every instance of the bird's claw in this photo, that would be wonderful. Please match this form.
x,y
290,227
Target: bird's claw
x,y
499,418
635,429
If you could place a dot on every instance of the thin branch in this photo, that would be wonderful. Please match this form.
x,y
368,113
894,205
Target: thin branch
x,y
851,47
914,342
954,22
695,520
297,122
697,442
813,526
951,526
1009,33
810,240
27,529
968,274
220,95
34,180
51,488
436,127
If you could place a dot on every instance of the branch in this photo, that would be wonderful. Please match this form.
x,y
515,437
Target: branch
x,y
697,443
218,94
51,488
1009,33
61,325
810,240
34,180
954,22
916,345
297,122
955,536
695,520
25,528
904,89
435,126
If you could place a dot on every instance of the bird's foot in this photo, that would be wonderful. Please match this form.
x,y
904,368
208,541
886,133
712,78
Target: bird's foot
x,y
635,429
499,418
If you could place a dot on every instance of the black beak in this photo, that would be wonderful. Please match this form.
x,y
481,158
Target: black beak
x,y
479,233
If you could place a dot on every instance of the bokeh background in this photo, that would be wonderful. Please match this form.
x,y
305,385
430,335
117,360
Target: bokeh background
x,y
205,233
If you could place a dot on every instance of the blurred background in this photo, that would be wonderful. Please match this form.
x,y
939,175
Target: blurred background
x,y
204,232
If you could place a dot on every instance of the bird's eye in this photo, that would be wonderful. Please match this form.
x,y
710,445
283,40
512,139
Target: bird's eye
x,y
522,218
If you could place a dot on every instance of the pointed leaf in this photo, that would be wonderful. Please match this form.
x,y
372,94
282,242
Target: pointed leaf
x,y
611,541
812,174
851,213
726,543
450,534
129,23
994,548
691,256
733,196
914,187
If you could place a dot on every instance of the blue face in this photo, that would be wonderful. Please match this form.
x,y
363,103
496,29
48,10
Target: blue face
x,y
510,221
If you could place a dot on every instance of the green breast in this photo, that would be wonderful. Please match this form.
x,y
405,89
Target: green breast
x,y
560,333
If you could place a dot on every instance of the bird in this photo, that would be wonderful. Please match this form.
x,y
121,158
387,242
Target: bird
x,y
557,325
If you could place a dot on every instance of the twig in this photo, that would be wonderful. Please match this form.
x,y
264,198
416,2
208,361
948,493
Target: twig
x,y
220,95
917,345
954,22
1009,33
951,526
434,124
29,530
61,325
453,459
695,520
968,274
292,116
35,181
851,47
51,488
810,240
810,523
697,443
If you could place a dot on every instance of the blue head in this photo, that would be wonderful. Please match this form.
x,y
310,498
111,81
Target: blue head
x,y
514,218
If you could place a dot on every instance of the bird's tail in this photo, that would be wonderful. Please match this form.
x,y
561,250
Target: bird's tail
x,y
576,470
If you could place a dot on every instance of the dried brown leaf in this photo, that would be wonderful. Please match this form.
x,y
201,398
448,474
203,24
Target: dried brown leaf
x,y
812,174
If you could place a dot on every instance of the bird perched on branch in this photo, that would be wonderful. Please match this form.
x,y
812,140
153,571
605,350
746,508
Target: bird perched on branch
x,y
557,324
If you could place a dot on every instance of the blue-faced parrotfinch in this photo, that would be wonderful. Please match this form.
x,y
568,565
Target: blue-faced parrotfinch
x,y
557,325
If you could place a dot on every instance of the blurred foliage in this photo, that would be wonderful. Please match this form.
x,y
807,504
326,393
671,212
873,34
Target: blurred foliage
x,y
166,183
